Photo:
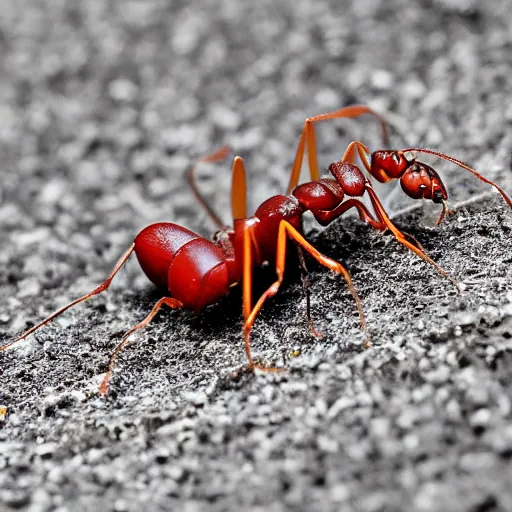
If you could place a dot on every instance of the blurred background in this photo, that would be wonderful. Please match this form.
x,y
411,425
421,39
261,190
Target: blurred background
x,y
103,106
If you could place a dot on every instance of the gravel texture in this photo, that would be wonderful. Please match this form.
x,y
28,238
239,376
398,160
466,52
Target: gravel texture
x,y
103,105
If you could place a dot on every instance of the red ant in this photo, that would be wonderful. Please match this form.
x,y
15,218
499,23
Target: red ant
x,y
198,272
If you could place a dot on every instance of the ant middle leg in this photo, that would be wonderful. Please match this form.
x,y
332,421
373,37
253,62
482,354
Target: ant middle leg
x,y
248,310
287,230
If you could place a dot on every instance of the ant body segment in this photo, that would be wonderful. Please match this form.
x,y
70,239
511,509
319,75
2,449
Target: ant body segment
x,y
197,272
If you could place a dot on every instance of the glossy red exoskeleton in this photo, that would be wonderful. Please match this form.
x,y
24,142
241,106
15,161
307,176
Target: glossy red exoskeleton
x,y
197,272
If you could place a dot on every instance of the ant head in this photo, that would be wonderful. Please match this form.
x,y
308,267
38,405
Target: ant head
x,y
420,181
389,164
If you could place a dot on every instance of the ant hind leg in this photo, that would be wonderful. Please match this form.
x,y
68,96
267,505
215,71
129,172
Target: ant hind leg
x,y
101,288
172,303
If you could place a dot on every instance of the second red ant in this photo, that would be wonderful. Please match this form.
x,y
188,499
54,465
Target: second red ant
x,y
197,272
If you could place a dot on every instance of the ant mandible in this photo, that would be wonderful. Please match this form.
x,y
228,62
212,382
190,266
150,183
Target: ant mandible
x,y
197,272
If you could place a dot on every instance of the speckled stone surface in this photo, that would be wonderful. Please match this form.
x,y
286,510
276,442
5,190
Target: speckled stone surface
x,y
103,105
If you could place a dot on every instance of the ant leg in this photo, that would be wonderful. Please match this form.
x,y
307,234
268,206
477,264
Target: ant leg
x,y
415,240
308,137
297,164
238,190
359,148
247,292
172,303
306,285
381,224
102,287
248,244
381,212
216,156
285,228
445,211
326,217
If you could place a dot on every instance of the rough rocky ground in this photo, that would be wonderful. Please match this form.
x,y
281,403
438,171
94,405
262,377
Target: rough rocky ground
x,y
103,106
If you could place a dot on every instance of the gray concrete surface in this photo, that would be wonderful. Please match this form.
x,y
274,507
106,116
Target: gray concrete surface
x,y
102,106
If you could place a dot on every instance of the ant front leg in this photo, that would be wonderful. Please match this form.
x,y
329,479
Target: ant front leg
x,y
386,221
248,245
286,229
357,184
308,139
